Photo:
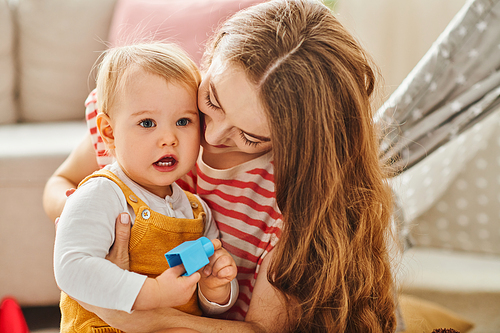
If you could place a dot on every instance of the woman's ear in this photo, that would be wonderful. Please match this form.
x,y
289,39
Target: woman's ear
x,y
106,130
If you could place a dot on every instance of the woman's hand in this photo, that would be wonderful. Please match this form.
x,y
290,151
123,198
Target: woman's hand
x,y
68,193
118,253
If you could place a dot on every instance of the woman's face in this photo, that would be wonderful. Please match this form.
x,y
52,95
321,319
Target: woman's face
x,y
235,122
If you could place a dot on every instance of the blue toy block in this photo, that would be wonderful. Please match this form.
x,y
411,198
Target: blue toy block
x,y
193,254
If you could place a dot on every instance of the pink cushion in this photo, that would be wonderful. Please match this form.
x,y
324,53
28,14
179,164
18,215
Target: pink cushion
x,y
188,23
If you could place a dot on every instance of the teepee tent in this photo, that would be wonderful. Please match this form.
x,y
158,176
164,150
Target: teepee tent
x,y
455,86
446,109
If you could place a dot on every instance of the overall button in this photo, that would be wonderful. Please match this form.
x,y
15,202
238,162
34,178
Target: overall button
x,y
194,205
146,214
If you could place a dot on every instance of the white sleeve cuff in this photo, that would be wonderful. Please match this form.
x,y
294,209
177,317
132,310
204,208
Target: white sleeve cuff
x,y
211,308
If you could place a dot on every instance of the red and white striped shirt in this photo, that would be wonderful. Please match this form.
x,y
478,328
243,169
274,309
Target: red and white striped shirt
x,y
242,200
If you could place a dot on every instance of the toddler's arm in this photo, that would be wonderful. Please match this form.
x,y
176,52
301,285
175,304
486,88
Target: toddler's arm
x,y
84,235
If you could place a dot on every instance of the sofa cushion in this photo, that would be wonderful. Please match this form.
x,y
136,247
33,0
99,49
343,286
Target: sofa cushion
x,y
7,109
58,45
39,139
26,234
185,22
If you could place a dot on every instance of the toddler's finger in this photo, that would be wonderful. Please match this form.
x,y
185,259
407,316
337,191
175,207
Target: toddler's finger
x,y
217,244
192,280
207,270
227,272
221,262
177,270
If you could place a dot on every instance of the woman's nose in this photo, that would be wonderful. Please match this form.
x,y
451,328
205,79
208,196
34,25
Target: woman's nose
x,y
216,132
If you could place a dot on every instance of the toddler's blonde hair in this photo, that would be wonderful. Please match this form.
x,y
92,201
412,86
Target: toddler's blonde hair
x,y
164,59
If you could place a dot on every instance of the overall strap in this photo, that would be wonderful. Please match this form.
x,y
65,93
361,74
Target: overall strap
x,y
133,200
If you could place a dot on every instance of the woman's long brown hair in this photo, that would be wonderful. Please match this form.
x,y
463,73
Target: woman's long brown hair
x,y
315,81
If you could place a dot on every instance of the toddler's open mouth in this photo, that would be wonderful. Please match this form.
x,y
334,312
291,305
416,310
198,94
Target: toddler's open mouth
x,y
166,161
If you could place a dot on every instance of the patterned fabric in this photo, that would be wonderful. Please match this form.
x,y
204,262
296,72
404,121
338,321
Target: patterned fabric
x,y
438,119
453,87
243,204
465,217
421,186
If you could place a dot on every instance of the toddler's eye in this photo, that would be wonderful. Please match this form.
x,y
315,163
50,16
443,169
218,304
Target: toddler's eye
x,y
147,123
182,122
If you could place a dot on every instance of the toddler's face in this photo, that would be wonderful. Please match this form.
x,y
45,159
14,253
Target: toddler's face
x,y
156,130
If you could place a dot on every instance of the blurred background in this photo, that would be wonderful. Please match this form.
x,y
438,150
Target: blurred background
x,y
47,52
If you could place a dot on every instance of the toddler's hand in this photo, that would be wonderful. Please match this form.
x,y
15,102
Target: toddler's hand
x,y
169,289
217,275
175,289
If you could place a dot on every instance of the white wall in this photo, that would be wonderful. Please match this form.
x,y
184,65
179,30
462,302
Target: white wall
x,y
397,33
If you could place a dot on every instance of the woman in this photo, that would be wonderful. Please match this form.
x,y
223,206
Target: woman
x,y
289,152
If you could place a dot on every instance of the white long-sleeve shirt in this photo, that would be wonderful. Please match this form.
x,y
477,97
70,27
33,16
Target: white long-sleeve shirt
x,y
86,231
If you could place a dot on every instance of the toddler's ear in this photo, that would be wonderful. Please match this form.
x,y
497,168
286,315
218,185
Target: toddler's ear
x,y
106,130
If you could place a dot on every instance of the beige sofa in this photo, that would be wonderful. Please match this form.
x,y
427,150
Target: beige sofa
x,y
47,51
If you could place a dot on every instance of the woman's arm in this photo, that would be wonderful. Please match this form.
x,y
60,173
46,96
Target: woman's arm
x,y
267,306
79,164
266,314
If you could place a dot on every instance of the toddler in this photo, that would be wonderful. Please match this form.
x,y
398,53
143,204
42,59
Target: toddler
x,y
150,124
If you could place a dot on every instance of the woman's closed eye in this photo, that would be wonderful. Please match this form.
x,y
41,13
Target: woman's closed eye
x,y
208,101
248,141
147,123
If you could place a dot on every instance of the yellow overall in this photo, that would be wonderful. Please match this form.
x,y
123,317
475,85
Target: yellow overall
x,y
152,235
